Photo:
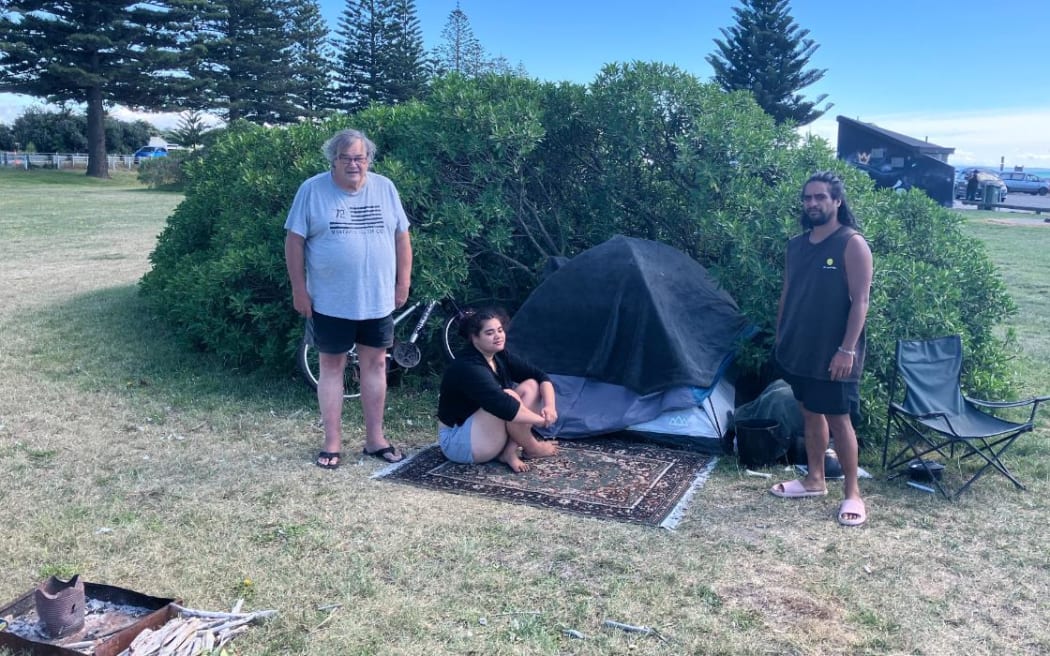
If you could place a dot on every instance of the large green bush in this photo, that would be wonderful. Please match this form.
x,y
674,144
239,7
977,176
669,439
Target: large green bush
x,y
167,172
499,173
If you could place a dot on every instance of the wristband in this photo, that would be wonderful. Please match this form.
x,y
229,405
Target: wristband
x,y
852,354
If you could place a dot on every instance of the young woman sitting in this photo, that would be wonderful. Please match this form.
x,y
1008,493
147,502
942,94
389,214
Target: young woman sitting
x,y
490,399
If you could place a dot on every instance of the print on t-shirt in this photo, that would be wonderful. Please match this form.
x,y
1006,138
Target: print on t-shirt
x,y
368,219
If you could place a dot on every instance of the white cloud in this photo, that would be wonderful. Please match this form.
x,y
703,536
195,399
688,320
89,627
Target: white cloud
x,y
1021,137
160,120
13,105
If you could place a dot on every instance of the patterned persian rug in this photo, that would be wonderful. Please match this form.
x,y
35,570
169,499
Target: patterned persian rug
x,y
603,477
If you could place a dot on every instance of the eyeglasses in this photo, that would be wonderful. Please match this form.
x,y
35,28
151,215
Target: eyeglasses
x,y
346,159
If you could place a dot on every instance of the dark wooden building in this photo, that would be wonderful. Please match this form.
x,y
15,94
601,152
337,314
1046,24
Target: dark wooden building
x,y
897,161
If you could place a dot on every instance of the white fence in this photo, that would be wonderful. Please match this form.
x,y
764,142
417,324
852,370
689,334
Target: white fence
x,y
19,160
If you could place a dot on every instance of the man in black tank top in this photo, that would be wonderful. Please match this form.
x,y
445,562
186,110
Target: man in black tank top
x,y
820,342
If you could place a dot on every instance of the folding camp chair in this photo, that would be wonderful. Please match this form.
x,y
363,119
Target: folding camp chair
x,y
935,417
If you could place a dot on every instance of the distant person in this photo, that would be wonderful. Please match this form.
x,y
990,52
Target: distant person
x,y
820,342
490,399
972,183
349,260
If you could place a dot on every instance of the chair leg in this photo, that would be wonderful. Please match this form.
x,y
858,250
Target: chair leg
x,y
919,445
990,453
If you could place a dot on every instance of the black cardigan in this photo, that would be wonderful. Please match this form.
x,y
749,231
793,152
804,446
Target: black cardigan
x,y
469,384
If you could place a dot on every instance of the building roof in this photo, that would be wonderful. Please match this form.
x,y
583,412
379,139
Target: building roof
x,y
924,147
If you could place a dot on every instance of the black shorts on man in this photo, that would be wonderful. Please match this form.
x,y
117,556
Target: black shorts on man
x,y
336,335
826,397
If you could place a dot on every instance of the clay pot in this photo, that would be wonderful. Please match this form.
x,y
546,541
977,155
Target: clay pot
x,y
60,606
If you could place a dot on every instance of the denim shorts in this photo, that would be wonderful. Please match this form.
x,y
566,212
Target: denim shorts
x,y
455,442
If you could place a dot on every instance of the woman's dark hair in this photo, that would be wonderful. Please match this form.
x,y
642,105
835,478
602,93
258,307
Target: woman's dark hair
x,y
473,320
837,190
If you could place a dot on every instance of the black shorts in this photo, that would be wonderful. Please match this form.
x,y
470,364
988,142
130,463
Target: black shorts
x,y
826,397
335,335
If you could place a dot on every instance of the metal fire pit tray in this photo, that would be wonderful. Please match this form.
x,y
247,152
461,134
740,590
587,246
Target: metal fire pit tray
x,y
113,618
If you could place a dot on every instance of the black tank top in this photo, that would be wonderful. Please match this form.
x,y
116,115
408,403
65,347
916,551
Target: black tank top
x,y
816,307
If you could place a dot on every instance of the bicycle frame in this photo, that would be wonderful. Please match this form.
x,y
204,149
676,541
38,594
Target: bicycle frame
x,y
403,354
427,311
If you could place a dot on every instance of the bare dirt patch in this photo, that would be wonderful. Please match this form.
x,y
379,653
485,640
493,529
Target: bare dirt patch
x,y
1020,220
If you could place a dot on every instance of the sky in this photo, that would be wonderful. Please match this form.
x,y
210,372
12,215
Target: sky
x,y
965,74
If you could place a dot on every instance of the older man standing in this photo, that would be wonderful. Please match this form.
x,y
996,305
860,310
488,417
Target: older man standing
x,y
820,335
349,259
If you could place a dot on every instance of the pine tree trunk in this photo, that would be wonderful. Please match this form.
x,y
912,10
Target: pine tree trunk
x,y
97,167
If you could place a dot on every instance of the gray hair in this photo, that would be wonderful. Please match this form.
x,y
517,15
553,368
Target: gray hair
x,y
344,138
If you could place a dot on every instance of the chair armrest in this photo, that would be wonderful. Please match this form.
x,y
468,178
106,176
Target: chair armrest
x,y
1007,404
1033,402
929,415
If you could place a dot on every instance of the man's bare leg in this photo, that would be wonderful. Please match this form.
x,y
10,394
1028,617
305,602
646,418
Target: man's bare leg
x,y
372,364
817,435
330,402
847,450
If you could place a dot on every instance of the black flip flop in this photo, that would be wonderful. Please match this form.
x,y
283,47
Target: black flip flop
x,y
379,453
329,455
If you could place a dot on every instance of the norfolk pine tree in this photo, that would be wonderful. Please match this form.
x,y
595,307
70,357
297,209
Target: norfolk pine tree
x,y
96,53
765,53
410,66
190,130
459,51
249,59
312,61
380,54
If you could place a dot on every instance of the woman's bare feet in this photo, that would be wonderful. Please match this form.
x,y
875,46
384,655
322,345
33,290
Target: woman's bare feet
x,y
509,456
516,464
541,449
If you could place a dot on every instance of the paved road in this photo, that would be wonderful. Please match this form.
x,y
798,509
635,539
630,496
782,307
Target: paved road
x,y
1028,200
1020,200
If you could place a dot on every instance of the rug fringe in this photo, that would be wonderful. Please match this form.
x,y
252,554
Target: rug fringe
x,y
678,512
394,466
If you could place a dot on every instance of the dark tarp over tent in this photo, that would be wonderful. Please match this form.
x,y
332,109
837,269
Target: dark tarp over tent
x,y
635,334
631,312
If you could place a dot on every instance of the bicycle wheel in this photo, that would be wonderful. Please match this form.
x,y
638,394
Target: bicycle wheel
x,y
310,367
450,339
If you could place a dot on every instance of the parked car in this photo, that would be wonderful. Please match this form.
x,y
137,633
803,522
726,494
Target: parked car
x,y
983,178
149,152
1025,183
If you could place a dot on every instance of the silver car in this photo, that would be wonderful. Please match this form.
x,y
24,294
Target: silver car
x,y
1019,181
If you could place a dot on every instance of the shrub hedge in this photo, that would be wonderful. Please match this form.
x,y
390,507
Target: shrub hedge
x,y
500,173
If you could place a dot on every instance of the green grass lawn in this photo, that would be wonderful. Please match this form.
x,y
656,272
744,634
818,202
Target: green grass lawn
x,y
132,459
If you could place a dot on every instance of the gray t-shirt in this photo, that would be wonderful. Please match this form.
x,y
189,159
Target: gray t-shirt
x,y
351,263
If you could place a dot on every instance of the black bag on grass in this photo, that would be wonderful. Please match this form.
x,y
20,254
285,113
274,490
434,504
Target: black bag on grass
x,y
760,442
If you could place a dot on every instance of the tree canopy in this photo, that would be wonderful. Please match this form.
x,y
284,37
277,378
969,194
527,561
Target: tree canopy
x,y
313,61
766,53
461,52
248,59
381,56
63,131
96,53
